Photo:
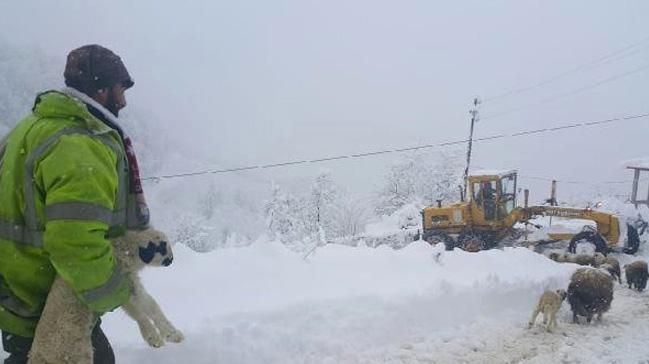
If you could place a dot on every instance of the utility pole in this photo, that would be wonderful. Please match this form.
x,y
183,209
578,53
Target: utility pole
x,y
474,119
553,197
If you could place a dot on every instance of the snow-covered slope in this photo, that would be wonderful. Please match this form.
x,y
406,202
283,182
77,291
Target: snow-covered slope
x,y
265,304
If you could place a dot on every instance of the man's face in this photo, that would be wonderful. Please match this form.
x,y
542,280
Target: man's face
x,y
113,99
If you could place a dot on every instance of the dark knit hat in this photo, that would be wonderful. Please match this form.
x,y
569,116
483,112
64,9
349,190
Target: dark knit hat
x,y
93,67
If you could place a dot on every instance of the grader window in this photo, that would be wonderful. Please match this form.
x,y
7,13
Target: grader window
x,y
508,184
507,195
485,198
477,194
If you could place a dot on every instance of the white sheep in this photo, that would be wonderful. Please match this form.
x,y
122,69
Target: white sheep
x,y
549,305
64,329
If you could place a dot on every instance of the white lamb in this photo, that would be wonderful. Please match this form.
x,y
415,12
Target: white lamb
x,y
64,329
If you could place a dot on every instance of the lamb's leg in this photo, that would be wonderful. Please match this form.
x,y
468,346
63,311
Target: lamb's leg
x,y
574,318
599,316
533,318
136,308
165,327
553,321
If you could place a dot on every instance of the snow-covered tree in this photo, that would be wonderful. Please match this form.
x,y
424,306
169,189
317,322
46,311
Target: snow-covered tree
x,y
320,202
322,212
350,217
420,179
282,214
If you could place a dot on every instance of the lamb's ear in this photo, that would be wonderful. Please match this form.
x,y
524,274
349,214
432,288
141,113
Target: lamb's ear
x,y
147,254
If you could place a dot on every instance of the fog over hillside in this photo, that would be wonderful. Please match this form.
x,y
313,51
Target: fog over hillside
x,y
248,83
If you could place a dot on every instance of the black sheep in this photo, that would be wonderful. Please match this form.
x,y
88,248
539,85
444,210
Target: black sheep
x,y
590,292
636,275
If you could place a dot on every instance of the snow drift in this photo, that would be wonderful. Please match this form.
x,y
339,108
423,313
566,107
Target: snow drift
x,y
264,303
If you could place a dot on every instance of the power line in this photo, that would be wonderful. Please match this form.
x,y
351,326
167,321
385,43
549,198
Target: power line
x,y
400,150
569,93
607,58
596,84
575,182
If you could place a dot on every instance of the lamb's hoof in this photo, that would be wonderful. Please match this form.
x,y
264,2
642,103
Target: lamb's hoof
x,y
155,340
174,336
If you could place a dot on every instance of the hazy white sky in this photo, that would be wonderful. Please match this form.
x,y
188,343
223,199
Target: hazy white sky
x,y
244,82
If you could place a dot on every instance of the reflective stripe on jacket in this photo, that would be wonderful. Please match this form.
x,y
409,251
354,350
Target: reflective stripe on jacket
x,y
63,193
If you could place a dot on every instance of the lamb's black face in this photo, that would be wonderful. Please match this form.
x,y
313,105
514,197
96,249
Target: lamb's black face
x,y
156,253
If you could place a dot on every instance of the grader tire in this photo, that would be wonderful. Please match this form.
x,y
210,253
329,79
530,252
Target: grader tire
x,y
470,242
436,237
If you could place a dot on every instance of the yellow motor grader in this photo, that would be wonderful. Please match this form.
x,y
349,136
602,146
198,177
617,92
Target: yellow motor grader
x,y
491,212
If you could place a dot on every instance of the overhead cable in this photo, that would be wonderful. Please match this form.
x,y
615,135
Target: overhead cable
x,y
567,94
401,150
616,55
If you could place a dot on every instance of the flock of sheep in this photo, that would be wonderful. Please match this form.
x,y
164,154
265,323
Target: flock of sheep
x,y
590,290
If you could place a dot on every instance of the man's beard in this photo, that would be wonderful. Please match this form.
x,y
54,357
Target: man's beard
x,y
111,104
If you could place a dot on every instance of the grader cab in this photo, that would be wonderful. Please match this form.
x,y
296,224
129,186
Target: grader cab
x,y
491,213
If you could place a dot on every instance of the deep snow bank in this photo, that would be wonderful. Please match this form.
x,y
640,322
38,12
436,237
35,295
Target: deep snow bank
x,y
264,303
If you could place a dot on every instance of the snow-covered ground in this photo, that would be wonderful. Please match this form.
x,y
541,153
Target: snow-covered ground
x,y
265,304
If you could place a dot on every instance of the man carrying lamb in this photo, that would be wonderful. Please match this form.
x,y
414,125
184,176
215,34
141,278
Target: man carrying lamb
x,y
69,183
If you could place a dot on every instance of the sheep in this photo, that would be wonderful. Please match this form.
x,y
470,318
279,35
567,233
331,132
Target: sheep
x,y
580,259
562,257
590,292
549,305
609,269
63,331
636,275
599,259
615,264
